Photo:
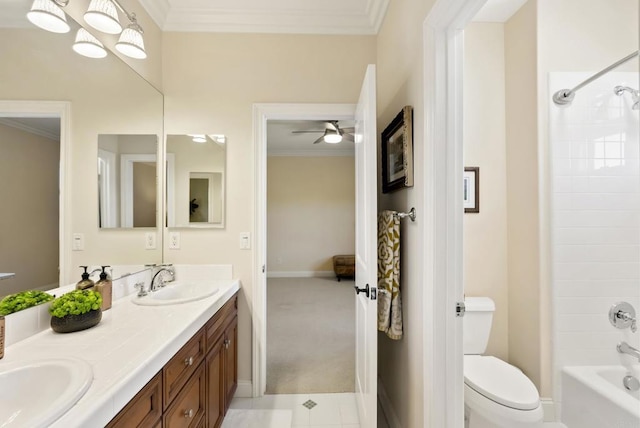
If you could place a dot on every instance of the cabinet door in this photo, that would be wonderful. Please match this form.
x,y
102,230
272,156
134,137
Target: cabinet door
x,y
188,409
230,361
144,410
215,384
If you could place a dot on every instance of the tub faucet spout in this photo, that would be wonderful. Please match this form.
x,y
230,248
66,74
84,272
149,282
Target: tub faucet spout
x,y
625,348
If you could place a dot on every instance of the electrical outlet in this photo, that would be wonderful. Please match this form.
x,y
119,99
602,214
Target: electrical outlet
x,y
174,240
150,240
78,242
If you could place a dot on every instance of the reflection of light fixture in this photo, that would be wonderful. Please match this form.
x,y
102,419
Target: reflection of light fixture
x,y
87,45
131,42
198,138
332,137
48,15
103,16
218,138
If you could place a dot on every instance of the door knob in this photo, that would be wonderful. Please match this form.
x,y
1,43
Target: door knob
x,y
364,290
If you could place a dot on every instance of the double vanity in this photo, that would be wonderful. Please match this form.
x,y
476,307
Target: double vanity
x,y
168,359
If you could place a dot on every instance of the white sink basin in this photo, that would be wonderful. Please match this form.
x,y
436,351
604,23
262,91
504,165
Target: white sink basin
x,y
179,292
36,393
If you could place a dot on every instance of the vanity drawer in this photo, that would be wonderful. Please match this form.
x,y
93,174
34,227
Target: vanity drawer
x,y
188,409
215,326
144,409
180,368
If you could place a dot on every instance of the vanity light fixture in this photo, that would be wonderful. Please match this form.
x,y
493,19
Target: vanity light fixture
x,y
103,16
131,42
48,15
87,45
198,138
332,137
218,138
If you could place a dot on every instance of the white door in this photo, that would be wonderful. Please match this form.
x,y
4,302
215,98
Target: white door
x,y
366,252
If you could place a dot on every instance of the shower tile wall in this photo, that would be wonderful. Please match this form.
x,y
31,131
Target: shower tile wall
x,y
595,169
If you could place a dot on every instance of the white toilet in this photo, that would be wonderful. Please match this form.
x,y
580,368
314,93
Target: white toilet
x,y
496,394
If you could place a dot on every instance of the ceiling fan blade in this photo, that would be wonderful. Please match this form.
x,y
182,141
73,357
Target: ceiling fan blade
x,y
349,130
333,125
305,132
319,140
348,137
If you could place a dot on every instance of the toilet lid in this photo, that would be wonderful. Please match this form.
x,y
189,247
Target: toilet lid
x,y
500,382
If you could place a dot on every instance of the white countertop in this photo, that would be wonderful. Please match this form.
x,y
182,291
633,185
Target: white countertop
x,y
129,346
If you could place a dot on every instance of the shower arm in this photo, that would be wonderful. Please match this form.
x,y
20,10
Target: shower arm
x,y
565,96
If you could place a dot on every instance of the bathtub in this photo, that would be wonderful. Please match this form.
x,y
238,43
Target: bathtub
x,y
594,397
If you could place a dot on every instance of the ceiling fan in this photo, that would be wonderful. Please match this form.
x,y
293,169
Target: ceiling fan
x,y
332,133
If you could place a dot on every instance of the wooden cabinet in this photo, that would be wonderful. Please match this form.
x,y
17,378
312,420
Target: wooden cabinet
x,y
195,388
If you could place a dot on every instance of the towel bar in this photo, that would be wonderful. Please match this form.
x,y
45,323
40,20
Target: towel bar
x,y
411,214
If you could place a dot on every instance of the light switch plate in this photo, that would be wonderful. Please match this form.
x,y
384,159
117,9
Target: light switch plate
x,y
78,242
174,240
245,241
150,240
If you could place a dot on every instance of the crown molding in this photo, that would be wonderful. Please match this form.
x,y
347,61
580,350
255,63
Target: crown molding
x,y
295,21
309,153
30,129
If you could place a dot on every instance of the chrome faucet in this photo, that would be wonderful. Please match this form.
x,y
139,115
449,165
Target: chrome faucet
x,y
625,348
162,281
623,315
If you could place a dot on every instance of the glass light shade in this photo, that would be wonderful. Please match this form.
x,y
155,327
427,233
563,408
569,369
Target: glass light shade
x,y
199,139
131,42
48,16
87,45
103,16
332,138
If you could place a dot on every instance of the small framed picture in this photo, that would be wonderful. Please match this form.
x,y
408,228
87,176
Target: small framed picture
x,y
471,189
397,152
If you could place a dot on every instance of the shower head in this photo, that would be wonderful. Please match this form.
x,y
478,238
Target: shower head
x,y
635,95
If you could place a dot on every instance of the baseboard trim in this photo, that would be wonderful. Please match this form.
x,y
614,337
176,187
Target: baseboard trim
x,y
549,409
302,274
244,390
387,408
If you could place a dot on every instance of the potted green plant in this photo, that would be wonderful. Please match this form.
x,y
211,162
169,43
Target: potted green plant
x,y
23,300
75,311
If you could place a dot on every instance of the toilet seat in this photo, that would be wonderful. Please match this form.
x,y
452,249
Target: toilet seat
x,y
500,382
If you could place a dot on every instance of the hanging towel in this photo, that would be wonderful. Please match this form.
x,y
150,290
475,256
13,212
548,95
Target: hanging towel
x,y
389,302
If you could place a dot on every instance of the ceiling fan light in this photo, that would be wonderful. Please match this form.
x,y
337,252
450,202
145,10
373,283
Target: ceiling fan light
x,y
48,16
87,45
332,138
103,16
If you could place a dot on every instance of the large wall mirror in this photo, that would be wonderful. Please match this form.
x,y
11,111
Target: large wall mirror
x,y
127,179
105,98
196,180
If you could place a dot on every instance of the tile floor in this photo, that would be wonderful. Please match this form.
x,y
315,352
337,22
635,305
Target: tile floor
x,y
329,411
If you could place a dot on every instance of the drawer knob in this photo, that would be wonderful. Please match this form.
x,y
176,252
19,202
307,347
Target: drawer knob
x,y
188,413
227,342
188,361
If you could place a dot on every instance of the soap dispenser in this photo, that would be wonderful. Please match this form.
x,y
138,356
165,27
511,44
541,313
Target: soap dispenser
x,y
85,283
104,286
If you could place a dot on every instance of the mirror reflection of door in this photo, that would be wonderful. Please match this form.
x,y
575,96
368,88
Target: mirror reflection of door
x,y
127,178
205,197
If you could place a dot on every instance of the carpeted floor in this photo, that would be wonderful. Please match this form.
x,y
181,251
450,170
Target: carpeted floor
x,y
310,335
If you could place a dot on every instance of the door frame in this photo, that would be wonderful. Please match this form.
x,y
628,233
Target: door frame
x,y
443,240
261,114
61,110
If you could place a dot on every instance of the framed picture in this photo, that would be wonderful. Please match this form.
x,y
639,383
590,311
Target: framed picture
x,y
397,152
471,189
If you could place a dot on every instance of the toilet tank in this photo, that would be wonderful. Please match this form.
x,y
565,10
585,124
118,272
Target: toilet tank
x,y
477,324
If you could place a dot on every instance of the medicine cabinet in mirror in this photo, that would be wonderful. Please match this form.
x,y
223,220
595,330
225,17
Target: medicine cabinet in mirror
x,y
196,180
127,177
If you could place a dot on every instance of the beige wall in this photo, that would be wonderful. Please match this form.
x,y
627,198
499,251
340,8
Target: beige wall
x,y
144,194
400,83
525,338
29,214
237,71
485,233
310,212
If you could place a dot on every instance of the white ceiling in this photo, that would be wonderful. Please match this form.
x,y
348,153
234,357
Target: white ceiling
x,y
282,142
269,16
